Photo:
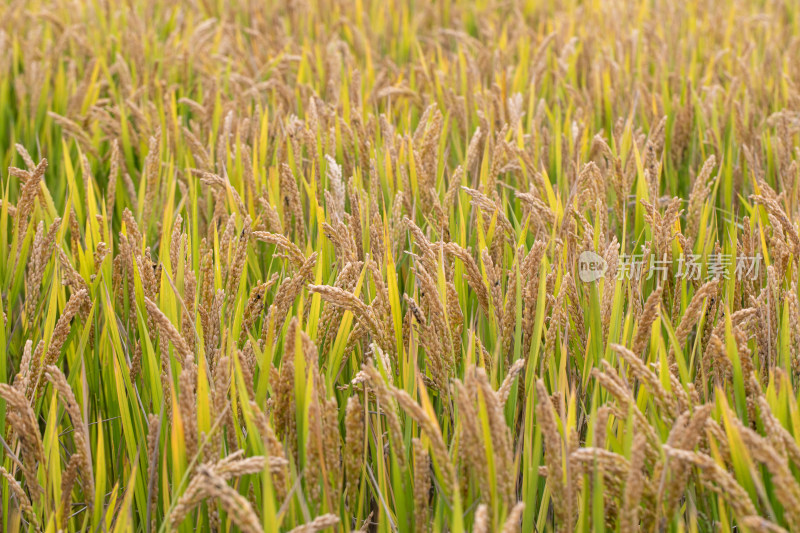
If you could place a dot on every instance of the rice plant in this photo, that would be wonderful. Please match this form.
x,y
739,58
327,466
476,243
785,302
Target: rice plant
x,y
399,266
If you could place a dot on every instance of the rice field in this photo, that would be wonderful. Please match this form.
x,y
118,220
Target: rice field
x,y
399,266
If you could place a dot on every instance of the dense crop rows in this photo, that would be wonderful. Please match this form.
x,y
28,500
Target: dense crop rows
x,y
399,265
